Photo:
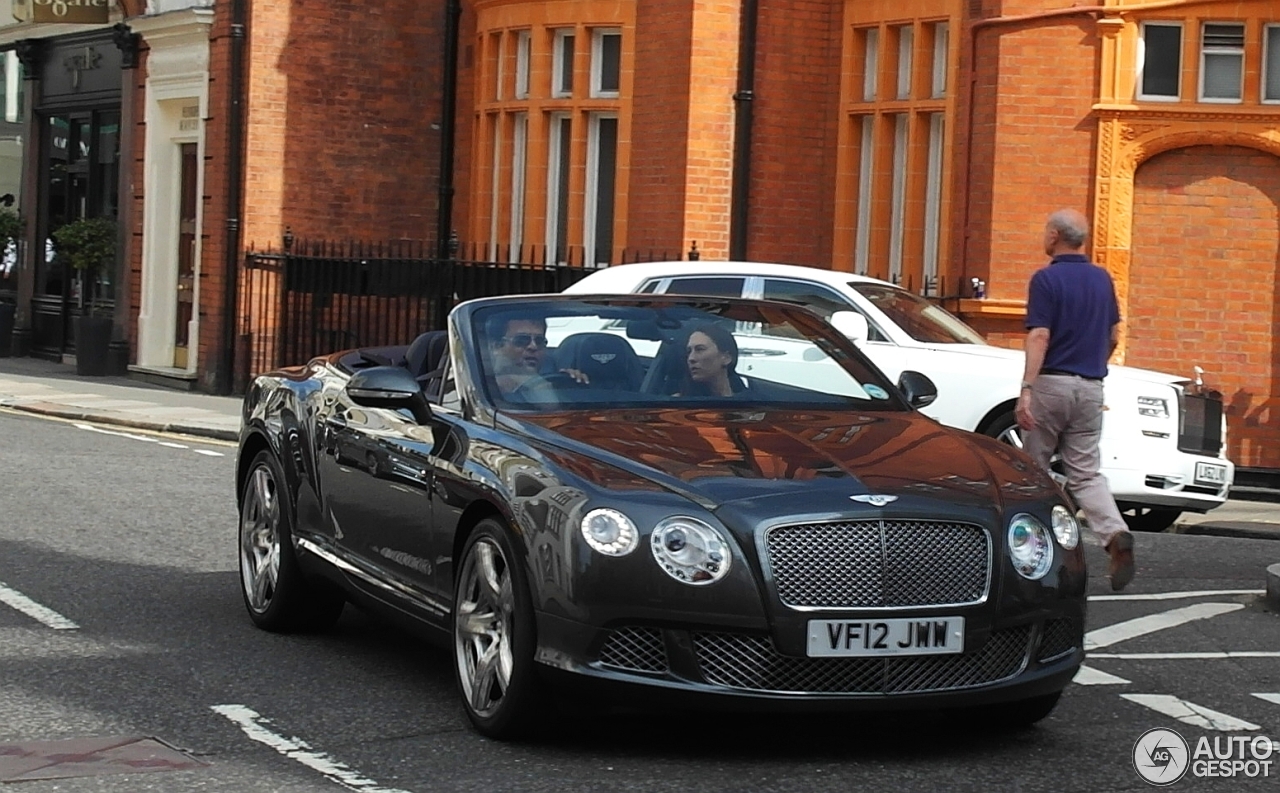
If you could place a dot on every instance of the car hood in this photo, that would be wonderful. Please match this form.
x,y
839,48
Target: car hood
x,y
816,461
993,353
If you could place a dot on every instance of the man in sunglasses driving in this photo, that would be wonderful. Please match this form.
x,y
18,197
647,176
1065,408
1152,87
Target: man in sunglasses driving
x,y
519,347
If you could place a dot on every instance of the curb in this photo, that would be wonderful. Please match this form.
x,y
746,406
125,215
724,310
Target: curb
x,y
1244,530
1273,584
176,427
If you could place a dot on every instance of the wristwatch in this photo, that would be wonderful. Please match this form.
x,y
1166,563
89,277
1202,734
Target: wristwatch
x,y
1026,384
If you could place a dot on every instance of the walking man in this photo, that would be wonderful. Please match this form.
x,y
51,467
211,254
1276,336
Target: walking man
x,y
1072,328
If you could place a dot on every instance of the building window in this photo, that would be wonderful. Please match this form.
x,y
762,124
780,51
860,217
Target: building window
x,y
1221,61
558,154
495,47
562,65
870,64
898,210
906,42
941,47
602,158
522,64
866,160
1160,62
933,202
1271,64
606,63
519,145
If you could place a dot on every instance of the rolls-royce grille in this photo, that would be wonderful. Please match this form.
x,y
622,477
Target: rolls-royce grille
x,y
871,563
1200,424
1060,637
635,649
752,663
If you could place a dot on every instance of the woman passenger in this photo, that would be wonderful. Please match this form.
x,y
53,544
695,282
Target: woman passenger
x,y
710,357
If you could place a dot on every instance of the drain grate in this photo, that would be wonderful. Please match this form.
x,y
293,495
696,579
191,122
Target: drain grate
x,y
80,757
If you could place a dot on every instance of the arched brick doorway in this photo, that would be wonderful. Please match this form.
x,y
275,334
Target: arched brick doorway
x,y
1205,283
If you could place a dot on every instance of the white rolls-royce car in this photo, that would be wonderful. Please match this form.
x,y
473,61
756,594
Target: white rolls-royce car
x,y
1163,436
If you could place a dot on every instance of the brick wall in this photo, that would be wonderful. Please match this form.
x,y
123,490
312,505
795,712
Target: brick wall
x,y
1205,283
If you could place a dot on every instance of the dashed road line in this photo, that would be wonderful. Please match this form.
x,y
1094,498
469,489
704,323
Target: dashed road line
x,y
1179,595
295,749
1193,656
1088,676
1141,626
43,614
1191,713
133,436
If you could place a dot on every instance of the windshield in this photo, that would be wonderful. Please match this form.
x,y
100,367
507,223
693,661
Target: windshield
x,y
918,318
557,355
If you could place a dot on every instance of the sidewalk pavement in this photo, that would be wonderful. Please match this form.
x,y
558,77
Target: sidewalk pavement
x,y
54,389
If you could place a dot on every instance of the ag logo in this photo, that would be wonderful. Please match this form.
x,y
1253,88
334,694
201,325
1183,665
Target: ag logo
x,y
1160,756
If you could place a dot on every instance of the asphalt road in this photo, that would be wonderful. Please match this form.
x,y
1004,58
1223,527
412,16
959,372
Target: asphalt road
x,y
126,542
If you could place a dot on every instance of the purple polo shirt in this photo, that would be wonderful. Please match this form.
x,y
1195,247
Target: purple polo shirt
x,y
1076,301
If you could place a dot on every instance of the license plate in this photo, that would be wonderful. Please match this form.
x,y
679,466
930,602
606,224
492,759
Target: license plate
x,y
910,636
1211,474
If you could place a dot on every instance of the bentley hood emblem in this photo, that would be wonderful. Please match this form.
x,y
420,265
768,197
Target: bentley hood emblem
x,y
603,357
874,499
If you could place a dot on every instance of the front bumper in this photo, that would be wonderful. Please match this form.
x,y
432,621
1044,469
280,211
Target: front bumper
x,y
1153,473
1035,655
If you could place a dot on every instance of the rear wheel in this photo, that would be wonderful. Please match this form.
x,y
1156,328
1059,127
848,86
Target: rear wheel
x,y
1150,518
276,593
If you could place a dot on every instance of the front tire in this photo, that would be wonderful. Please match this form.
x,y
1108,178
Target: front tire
x,y
495,636
1005,429
277,594
1150,518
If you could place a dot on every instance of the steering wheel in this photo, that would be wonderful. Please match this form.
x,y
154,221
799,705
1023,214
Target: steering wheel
x,y
544,387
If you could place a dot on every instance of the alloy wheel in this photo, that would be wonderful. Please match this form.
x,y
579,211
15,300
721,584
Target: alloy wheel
x,y
483,628
260,540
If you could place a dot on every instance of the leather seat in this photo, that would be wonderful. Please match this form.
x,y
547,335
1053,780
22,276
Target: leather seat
x,y
607,360
425,359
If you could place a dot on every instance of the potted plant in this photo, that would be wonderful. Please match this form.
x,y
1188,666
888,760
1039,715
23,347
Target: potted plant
x,y
88,245
10,233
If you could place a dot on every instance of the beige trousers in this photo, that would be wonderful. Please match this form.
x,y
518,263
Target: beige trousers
x,y
1068,414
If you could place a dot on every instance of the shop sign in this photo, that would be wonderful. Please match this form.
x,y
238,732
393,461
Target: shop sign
x,y
77,11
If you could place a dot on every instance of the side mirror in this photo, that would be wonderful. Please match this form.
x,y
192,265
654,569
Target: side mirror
x,y
918,389
851,324
389,387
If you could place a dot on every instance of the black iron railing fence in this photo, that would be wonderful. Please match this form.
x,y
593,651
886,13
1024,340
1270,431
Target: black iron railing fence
x,y
315,297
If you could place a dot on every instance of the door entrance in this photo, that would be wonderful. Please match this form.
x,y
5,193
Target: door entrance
x,y
186,286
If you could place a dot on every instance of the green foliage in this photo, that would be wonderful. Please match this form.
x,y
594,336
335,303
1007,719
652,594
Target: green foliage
x,y
88,244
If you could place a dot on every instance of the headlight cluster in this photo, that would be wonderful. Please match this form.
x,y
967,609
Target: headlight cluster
x,y
1065,527
1030,548
686,549
1154,407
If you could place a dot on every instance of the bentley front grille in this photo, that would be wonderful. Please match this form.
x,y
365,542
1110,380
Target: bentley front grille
x,y
635,649
880,563
1060,637
752,663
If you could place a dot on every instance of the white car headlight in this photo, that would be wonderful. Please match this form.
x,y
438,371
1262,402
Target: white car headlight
x,y
1155,407
1065,527
610,532
690,551
1030,548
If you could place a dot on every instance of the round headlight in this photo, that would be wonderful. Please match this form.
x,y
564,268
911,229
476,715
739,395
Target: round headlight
x,y
1065,527
610,532
1030,548
690,551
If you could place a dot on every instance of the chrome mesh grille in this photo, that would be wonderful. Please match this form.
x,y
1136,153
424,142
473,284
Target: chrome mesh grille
x,y
873,563
1060,637
752,663
635,649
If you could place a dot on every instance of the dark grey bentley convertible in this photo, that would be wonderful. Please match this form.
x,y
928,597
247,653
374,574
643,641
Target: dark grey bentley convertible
x,y
693,498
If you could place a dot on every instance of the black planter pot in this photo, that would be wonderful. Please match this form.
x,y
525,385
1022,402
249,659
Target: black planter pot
x,y
93,343
7,311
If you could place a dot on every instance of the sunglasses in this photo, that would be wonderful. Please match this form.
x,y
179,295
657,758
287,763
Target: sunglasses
x,y
524,339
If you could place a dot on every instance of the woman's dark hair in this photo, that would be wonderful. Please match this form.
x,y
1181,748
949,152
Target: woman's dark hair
x,y
722,337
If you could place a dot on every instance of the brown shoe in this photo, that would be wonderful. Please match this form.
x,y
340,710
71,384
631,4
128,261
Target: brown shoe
x,y
1121,569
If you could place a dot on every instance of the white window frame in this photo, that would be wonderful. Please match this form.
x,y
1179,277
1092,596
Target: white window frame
x,y
1239,52
933,199
558,90
866,164
519,152
1267,55
495,185
871,64
597,62
500,67
906,59
941,51
898,209
523,46
12,88
555,158
1142,61
593,187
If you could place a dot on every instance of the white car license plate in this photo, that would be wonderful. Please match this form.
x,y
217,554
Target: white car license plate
x,y
908,636
1211,474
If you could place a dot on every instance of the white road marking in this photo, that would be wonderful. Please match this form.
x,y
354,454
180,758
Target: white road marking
x,y
1180,595
173,445
147,439
1129,629
1269,697
1088,676
1188,656
208,453
295,749
34,610
1191,713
